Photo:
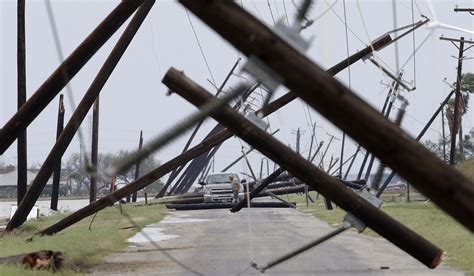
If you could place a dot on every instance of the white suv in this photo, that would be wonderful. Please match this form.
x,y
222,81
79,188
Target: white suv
x,y
217,188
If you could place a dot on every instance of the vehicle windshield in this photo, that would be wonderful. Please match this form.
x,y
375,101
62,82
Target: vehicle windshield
x,y
219,178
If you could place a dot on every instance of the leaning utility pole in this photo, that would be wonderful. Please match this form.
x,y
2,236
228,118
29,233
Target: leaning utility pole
x,y
57,169
95,149
380,222
342,107
78,116
21,78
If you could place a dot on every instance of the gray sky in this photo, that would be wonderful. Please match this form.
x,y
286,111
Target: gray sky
x,y
134,98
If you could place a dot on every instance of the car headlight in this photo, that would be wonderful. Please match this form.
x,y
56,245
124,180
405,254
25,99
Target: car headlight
x,y
207,191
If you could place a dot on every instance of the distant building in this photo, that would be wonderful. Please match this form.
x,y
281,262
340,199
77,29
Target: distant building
x,y
9,180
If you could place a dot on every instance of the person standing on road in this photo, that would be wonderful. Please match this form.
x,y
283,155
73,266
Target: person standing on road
x,y
235,188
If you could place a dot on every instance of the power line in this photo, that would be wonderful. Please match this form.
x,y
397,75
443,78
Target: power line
x,y
200,47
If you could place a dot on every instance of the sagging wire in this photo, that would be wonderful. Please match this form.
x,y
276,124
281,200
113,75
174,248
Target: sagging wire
x,y
200,47
60,54
395,23
286,14
330,7
377,60
350,85
271,12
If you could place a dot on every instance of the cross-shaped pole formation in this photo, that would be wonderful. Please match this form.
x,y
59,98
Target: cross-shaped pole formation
x,y
456,125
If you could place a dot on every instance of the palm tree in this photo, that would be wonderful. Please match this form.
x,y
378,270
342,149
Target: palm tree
x,y
467,87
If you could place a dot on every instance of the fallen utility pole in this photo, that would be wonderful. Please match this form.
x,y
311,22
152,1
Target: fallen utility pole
x,y
65,72
257,190
78,116
57,168
94,149
197,150
21,92
445,186
392,230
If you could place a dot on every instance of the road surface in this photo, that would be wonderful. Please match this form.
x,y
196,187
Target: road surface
x,y
216,242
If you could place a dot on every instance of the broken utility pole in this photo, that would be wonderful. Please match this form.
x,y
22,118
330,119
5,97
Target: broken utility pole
x,y
21,78
94,148
65,72
197,150
392,230
78,116
57,168
445,186
137,166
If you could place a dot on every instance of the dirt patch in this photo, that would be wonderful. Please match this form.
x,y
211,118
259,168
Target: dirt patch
x,y
128,266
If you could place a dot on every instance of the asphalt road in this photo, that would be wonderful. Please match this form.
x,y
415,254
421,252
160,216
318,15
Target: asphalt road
x,y
216,242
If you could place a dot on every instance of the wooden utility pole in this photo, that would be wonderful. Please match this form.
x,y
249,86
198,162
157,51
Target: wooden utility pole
x,y
137,166
342,107
198,150
94,149
444,136
78,116
457,101
21,78
57,168
65,72
392,230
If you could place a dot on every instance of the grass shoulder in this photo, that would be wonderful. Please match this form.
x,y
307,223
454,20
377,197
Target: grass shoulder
x,y
422,217
82,248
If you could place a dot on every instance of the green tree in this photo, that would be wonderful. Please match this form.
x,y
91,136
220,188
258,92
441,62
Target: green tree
x,y
467,87
77,173
467,143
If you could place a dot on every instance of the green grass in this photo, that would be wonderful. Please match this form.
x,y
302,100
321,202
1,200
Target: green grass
x,y
467,167
81,247
424,218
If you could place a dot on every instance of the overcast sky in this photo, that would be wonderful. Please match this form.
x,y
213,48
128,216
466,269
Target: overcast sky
x,y
134,98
